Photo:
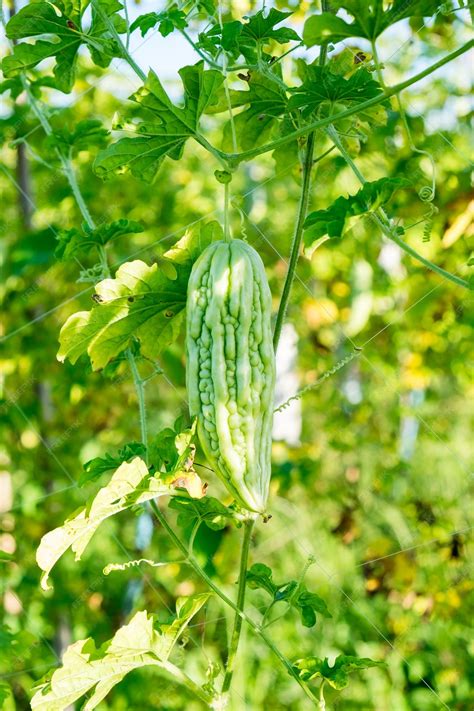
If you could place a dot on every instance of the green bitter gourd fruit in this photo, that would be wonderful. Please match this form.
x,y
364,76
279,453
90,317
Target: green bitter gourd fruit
x,y
231,367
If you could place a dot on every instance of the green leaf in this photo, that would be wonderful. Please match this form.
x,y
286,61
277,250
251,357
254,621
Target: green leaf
x,y
74,242
220,38
292,592
260,576
85,135
141,302
309,604
61,22
370,20
14,86
266,102
336,675
100,39
236,38
173,451
167,127
332,221
94,468
130,485
43,18
324,86
172,447
167,21
215,515
194,242
319,29
260,29
5,692
95,671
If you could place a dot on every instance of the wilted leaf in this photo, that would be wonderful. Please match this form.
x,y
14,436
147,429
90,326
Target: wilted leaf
x,y
95,671
130,485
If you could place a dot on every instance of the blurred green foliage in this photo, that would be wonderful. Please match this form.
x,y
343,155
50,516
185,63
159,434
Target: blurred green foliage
x,y
378,491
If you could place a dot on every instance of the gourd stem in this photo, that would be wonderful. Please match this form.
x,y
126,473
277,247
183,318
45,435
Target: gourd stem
x,y
382,221
227,236
66,162
234,643
205,577
297,237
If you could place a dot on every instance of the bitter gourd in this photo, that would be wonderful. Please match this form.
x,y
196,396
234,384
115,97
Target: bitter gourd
x,y
230,370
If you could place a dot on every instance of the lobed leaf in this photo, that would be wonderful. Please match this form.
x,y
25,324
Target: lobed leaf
x,y
87,669
130,485
332,221
215,515
73,242
166,127
292,592
322,85
336,675
61,23
140,302
247,38
370,20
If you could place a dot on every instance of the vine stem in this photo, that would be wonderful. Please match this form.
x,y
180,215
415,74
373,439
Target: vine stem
x,y
322,700
383,222
297,237
235,639
125,53
81,203
302,210
140,390
192,562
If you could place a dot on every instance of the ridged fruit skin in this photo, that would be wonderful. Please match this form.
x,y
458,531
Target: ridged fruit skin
x,y
230,373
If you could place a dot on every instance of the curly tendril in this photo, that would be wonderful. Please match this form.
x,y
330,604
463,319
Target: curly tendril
x,y
427,194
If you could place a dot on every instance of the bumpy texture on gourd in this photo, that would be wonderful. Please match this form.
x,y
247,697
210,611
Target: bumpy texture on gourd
x,y
231,367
